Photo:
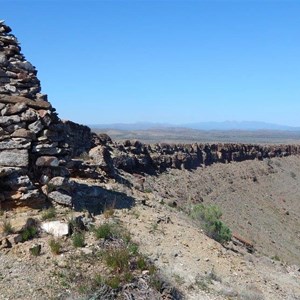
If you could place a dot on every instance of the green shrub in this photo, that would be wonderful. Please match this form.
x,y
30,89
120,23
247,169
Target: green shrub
x,y
48,214
28,233
141,263
133,248
78,239
105,231
210,215
113,282
98,280
117,259
128,277
35,250
55,246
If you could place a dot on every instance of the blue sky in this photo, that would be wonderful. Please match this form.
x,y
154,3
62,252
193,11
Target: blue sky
x,y
164,61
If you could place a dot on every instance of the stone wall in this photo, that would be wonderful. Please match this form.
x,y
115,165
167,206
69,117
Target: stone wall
x,y
35,145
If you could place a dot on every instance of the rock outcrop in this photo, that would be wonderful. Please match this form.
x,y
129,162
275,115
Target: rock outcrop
x,y
135,157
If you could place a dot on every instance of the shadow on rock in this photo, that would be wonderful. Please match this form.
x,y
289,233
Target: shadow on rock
x,y
95,199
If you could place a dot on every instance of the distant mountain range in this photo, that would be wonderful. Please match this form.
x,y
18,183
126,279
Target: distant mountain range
x,y
227,125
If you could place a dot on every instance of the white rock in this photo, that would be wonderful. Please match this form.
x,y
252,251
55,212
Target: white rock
x,y
56,228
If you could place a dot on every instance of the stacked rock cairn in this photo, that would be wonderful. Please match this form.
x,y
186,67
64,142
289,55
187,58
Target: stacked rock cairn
x,y
32,138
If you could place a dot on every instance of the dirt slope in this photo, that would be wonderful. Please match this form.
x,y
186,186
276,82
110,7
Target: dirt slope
x,y
259,200
201,267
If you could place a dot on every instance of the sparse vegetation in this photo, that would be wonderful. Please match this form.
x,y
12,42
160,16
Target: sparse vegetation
x,y
251,293
7,227
113,282
55,246
133,248
35,250
28,233
117,259
49,214
105,231
209,216
156,281
78,239
108,212
178,279
276,257
141,263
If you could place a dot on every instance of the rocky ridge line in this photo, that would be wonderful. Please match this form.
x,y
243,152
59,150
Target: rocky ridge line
x,y
136,157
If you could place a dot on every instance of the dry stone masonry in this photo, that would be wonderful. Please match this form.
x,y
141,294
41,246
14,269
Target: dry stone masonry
x,y
33,141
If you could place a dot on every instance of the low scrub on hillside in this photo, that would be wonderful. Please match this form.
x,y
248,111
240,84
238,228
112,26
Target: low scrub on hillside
x,y
209,216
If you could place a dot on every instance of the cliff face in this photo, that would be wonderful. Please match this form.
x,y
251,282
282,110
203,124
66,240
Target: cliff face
x,y
135,157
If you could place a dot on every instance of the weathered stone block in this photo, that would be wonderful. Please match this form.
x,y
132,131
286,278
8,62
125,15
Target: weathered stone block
x,y
56,228
8,120
14,109
15,143
47,161
36,127
60,198
14,158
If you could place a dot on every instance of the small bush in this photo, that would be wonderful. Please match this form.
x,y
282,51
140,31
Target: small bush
x,y
133,248
108,213
55,246
128,277
78,239
105,231
7,227
210,216
141,263
118,259
49,214
29,233
113,282
35,250
156,282
109,210
98,280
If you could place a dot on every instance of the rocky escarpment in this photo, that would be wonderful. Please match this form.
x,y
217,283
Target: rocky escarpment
x,y
35,145
135,157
